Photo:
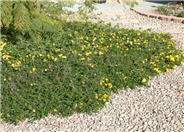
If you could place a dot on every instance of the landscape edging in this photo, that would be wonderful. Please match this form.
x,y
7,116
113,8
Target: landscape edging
x,y
158,16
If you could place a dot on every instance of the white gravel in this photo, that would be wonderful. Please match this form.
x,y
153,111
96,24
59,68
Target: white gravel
x,y
158,108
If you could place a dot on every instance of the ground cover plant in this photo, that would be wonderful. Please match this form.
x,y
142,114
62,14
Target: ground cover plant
x,y
172,10
78,68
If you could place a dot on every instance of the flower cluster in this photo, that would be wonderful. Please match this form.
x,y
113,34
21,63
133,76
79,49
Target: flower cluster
x,y
105,83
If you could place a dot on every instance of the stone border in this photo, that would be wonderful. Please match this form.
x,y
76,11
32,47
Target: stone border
x,y
158,16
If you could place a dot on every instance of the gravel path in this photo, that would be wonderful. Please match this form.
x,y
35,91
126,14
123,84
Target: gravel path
x,y
158,108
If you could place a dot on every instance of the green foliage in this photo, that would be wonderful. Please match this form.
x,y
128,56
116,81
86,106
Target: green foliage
x,y
89,4
87,8
181,14
77,69
163,10
21,20
6,14
132,3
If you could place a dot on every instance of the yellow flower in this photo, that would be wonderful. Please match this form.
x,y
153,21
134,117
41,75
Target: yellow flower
x,y
157,70
100,53
34,69
48,56
6,57
46,69
124,78
2,46
94,39
101,82
110,85
75,106
81,38
19,62
82,58
144,80
95,52
55,59
83,47
34,110
96,96
88,59
106,96
74,52
44,60
4,79
91,65
55,110
88,53
52,57
168,70
13,65
57,50
83,82
60,55
33,57
40,55
64,57
172,58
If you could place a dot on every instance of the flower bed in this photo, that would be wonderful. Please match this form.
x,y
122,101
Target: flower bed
x,y
77,69
172,10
